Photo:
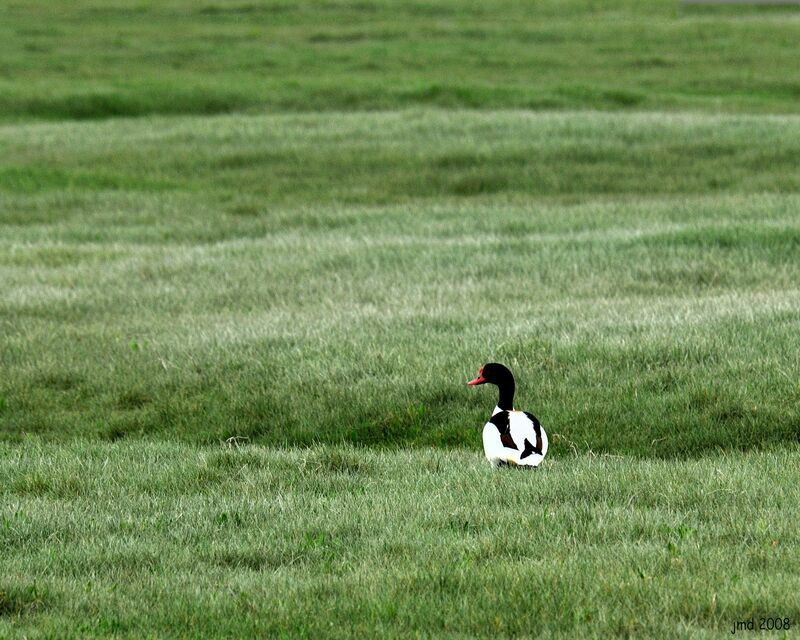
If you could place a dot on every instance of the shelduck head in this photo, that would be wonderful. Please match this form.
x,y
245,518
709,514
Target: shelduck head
x,y
500,376
493,373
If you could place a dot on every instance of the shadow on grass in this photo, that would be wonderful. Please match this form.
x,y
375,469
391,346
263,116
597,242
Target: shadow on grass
x,y
18,601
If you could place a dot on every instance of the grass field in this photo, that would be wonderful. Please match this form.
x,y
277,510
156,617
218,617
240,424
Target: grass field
x,y
305,226
101,58
143,540
298,279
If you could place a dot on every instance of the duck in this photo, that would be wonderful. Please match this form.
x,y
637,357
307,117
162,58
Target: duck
x,y
510,437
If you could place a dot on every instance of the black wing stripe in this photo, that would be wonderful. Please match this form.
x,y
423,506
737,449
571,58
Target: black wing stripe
x,y
500,420
537,427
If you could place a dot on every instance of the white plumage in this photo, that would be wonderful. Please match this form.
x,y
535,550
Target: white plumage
x,y
521,429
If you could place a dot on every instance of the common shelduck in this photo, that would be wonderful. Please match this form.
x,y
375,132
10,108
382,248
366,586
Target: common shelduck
x,y
510,437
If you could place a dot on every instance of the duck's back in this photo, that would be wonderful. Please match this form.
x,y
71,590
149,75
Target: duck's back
x,y
514,437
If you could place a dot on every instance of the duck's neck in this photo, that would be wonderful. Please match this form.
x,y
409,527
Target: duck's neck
x,y
506,401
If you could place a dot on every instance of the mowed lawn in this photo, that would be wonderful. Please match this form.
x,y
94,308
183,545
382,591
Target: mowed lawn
x,y
250,253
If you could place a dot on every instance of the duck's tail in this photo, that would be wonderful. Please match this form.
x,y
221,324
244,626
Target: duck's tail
x,y
529,449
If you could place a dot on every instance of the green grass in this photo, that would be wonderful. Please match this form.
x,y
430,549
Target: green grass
x,y
301,227
169,540
91,59
328,278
